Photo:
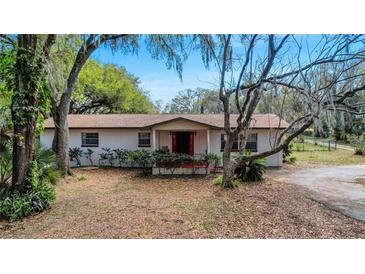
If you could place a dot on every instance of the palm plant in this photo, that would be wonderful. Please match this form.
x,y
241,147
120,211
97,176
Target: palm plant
x,y
46,160
88,155
107,155
252,171
75,155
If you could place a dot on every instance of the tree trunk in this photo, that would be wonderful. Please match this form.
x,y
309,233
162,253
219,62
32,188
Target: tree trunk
x,y
23,144
59,112
24,121
60,143
227,180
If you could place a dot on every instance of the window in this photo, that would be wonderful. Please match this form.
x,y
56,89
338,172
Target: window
x,y
89,139
144,139
235,145
251,142
223,142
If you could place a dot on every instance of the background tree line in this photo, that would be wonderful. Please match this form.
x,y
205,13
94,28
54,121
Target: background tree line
x,y
337,124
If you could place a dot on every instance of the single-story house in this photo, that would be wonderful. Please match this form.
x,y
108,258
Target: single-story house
x,y
181,133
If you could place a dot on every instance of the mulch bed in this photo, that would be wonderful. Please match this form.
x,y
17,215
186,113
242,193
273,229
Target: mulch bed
x,y
113,203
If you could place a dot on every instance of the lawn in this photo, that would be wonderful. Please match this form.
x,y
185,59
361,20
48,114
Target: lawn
x,y
112,203
320,155
325,140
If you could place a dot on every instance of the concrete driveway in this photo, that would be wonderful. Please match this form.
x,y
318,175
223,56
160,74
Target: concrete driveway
x,y
341,188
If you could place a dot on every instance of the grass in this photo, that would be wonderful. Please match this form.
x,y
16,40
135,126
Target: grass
x,y
81,178
207,226
320,155
325,140
308,147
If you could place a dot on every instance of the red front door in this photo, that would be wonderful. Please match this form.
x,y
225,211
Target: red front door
x,y
183,142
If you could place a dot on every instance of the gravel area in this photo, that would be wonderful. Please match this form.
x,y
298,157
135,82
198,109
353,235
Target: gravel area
x,y
112,203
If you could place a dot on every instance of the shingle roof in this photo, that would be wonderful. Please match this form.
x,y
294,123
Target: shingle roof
x,y
147,120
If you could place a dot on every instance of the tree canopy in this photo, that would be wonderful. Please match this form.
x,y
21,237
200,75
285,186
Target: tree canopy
x,y
195,101
108,89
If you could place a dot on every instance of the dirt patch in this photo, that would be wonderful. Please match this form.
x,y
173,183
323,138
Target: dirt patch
x,y
112,203
360,180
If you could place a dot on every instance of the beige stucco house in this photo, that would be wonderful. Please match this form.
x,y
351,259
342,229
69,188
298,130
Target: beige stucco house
x,y
182,133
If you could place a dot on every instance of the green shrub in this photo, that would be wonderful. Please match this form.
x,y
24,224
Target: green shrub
x,y
17,206
358,142
217,181
39,196
143,158
287,154
291,160
252,171
172,160
121,155
5,169
14,207
213,160
81,178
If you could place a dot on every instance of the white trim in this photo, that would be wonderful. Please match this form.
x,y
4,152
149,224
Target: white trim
x,y
153,139
208,141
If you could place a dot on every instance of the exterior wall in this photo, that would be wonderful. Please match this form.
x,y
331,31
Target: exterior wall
x,y
263,144
128,139
108,138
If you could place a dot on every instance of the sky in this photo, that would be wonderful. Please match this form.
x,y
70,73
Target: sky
x,y
161,83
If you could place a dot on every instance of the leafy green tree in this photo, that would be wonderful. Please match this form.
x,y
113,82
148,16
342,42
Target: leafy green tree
x,y
195,101
169,48
108,89
184,102
24,77
7,63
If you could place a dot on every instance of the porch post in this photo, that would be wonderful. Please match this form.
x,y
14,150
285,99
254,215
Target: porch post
x,y
208,141
153,139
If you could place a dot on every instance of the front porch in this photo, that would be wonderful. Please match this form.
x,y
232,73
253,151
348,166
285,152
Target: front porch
x,y
183,137
191,142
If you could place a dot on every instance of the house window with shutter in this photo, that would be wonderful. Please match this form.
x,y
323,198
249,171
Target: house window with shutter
x,y
89,139
144,139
